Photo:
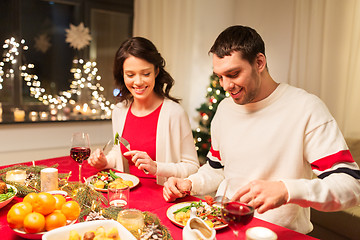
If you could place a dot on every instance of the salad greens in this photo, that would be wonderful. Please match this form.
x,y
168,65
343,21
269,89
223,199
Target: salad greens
x,y
7,195
187,208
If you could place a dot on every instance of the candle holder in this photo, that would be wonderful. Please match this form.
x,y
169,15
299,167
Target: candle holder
x,y
19,115
33,116
17,176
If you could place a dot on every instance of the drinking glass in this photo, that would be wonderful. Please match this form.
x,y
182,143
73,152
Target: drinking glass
x,y
235,213
119,197
132,220
80,149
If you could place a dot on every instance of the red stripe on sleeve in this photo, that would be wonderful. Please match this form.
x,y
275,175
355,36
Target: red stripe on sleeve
x,y
215,153
328,161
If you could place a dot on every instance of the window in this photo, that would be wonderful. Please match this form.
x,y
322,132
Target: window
x,y
44,43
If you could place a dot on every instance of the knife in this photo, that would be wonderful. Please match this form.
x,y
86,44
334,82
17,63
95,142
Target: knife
x,y
127,145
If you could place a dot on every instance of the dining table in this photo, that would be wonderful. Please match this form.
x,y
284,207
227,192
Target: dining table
x,y
146,196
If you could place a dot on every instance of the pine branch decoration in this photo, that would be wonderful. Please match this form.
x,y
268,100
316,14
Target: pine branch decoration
x,y
32,182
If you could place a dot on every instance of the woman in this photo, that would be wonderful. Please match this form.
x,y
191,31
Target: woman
x,y
152,121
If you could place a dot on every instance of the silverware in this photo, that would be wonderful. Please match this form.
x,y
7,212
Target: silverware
x,y
127,145
106,145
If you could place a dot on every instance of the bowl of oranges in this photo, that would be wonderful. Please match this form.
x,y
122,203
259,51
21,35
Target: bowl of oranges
x,y
41,212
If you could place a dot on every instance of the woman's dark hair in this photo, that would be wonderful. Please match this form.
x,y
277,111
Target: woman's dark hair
x,y
141,48
240,39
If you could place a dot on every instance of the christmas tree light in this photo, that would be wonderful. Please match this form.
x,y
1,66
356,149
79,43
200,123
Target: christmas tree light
x,y
202,138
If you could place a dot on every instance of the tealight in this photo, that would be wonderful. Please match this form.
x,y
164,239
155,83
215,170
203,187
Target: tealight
x,y
19,115
17,176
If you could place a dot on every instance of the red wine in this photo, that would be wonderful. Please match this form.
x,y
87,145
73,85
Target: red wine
x,y
80,154
237,214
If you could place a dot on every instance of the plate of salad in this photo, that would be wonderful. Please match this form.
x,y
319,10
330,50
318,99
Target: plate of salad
x,y
5,198
179,214
104,180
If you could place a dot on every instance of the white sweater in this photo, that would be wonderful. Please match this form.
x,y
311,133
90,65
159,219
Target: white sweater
x,y
288,136
175,150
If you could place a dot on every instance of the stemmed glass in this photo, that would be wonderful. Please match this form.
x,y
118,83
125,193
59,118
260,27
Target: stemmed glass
x,y
80,149
235,213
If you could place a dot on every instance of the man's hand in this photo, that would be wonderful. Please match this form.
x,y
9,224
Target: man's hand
x,y
176,188
263,195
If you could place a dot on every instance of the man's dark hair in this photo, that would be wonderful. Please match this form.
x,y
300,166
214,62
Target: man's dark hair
x,y
239,39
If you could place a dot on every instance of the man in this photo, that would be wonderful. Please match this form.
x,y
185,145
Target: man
x,y
275,137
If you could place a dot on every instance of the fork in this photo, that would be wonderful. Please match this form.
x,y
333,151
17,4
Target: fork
x,y
127,145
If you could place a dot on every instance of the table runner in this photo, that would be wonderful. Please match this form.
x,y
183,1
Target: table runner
x,y
147,196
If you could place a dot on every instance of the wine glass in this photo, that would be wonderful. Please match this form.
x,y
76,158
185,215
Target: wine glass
x,y
80,149
235,213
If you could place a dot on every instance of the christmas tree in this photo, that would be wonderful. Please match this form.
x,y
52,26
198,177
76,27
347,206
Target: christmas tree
x,y
215,93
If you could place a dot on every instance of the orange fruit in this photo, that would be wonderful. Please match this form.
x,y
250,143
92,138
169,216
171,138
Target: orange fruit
x,y
44,203
54,220
17,213
71,210
59,201
30,198
34,222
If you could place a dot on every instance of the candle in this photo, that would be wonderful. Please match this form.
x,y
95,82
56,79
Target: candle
x,y
17,176
49,179
33,116
260,233
19,115
43,115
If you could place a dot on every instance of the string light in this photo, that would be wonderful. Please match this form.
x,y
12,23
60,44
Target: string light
x,y
85,76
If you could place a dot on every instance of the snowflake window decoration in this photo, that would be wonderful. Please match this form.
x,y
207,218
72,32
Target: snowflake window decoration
x,y
42,43
78,36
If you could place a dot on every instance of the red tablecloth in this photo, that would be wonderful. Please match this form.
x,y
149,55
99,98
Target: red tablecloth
x,y
147,196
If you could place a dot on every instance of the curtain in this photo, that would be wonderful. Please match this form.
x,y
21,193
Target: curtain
x,y
310,44
325,57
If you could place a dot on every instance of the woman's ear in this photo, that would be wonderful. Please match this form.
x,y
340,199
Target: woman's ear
x,y
260,62
157,70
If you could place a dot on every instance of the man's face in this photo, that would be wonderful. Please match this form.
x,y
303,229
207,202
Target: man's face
x,y
238,77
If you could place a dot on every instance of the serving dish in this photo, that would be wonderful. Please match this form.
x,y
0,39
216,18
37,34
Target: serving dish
x,y
23,234
62,233
5,202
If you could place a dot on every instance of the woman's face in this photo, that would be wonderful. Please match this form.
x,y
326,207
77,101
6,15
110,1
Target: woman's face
x,y
139,78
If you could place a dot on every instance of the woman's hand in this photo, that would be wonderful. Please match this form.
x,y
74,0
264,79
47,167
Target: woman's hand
x,y
97,159
142,161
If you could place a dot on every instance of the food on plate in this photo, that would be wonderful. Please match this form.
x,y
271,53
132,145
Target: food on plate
x,y
6,192
211,214
71,210
34,222
59,201
97,234
42,202
105,180
3,187
54,220
17,213
42,211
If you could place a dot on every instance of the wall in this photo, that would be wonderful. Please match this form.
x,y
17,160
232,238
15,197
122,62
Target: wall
x,y
27,142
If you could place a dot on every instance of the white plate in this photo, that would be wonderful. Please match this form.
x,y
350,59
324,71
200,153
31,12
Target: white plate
x,y
63,232
170,214
124,176
4,203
